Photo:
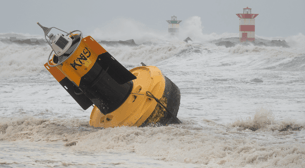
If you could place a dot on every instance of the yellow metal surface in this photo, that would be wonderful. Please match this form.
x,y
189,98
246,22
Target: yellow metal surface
x,y
82,60
137,107
57,74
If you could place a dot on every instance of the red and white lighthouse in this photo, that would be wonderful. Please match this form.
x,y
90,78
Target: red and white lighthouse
x,y
246,25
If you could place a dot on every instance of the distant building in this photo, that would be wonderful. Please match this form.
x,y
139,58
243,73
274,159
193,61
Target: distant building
x,y
246,25
173,25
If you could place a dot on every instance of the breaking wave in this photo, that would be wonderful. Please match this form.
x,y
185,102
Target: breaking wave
x,y
221,146
24,54
36,129
16,60
264,120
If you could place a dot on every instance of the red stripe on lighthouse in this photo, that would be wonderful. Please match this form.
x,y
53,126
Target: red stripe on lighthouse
x,y
247,28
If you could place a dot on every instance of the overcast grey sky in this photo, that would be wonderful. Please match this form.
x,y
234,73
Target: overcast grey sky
x,y
276,17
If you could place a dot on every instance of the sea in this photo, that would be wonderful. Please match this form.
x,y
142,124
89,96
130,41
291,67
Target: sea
x,y
241,105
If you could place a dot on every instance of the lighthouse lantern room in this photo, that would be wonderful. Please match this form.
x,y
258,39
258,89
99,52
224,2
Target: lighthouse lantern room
x,y
246,25
173,25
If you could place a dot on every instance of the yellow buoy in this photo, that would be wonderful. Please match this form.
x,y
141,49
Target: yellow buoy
x,y
138,97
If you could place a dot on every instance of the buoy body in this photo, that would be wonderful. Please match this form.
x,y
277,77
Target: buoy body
x,y
139,109
139,97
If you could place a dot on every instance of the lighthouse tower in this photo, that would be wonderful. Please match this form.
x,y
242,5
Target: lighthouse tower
x,y
246,25
173,25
